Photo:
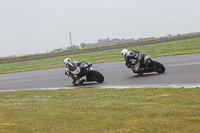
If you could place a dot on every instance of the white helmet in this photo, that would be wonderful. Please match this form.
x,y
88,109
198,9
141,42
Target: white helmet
x,y
123,52
67,60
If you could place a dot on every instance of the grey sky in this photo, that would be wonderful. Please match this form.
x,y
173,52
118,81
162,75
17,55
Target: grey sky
x,y
35,26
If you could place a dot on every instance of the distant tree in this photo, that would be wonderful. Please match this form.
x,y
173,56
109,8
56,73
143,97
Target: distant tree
x,y
115,39
57,50
68,48
83,45
73,47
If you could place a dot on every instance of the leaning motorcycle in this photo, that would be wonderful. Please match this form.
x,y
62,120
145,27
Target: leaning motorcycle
x,y
149,66
84,71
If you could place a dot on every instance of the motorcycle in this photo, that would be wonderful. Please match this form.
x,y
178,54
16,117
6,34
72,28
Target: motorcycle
x,y
83,73
148,66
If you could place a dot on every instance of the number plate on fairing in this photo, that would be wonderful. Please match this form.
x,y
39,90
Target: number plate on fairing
x,y
77,71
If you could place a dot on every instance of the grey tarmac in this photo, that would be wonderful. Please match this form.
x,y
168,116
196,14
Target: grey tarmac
x,y
181,71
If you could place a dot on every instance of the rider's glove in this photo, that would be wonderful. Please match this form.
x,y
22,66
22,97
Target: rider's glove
x,y
67,72
89,64
79,63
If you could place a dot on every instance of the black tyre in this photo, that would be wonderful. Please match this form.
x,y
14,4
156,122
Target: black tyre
x,y
159,67
95,76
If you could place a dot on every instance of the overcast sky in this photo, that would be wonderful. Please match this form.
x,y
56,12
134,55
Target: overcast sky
x,y
38,26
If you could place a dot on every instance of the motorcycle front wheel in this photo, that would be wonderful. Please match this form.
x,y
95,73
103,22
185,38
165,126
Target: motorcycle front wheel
x,y
159,67
95,76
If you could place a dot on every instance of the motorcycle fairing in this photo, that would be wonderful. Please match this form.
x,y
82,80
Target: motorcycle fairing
x,y
73,68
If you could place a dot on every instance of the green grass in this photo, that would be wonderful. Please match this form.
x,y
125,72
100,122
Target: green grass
x,y
101,110
156,50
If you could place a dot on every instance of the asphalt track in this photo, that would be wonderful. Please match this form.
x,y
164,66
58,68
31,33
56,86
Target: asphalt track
x,y
181,71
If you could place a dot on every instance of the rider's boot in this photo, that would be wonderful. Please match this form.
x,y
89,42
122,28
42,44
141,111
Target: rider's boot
x,y
80,81
137,66
146,58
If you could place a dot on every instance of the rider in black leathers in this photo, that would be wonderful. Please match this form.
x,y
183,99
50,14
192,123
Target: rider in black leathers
x,y
76,78
135,56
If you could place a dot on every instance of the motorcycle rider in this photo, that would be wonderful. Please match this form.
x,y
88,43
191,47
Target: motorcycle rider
x,y
136,57
77,79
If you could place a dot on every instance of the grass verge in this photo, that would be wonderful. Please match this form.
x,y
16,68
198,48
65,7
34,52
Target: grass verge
x,y
156,50
101,110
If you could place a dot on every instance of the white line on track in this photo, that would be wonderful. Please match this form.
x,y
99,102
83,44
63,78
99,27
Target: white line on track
x,y
185,64
197,85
